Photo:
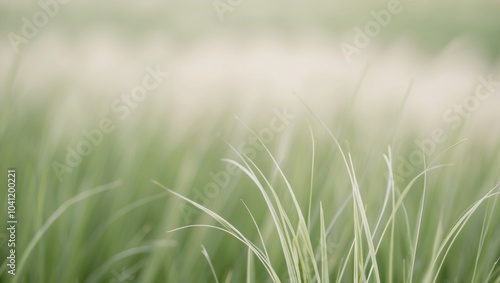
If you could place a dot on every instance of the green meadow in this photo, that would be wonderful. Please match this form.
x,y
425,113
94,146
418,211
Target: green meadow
x,y
318,201
125,176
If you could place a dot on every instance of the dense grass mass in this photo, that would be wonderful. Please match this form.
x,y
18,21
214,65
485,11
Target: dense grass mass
x,y
268,154
352,221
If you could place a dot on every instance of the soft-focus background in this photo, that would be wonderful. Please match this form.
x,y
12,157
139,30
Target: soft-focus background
x,y
280,67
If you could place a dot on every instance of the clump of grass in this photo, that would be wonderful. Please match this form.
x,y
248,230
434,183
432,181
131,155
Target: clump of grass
x,y
372,253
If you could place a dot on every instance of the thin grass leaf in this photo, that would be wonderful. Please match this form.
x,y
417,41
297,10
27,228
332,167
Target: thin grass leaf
x,y
258,229
418,225
324,255
313,153
250,267
205,254
488,216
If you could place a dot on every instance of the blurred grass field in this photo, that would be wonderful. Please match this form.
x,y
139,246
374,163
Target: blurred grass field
x,y
106,219
91,238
